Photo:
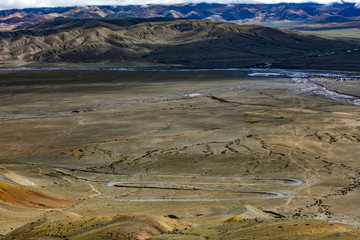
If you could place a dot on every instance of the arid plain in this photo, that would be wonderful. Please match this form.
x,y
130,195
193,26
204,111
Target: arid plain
x,y
177,155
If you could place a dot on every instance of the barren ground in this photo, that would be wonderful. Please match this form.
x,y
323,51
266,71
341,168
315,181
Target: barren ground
x,y
67,134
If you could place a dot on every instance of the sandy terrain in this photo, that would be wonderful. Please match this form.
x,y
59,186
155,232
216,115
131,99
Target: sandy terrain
x,y
67,135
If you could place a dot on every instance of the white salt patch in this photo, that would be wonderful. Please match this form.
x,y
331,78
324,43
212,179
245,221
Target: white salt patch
x,y
258,74
192,95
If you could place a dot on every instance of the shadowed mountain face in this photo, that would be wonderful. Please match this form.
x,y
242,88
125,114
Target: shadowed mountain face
x,y
288,16
160,41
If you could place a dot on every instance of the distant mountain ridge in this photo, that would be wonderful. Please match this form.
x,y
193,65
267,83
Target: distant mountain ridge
x,y
265,14
164,42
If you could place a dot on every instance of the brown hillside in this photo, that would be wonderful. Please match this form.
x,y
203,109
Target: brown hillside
x,y
134,41
25,196
289,229
118,227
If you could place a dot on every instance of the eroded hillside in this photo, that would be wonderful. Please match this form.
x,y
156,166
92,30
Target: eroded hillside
x,y
161,41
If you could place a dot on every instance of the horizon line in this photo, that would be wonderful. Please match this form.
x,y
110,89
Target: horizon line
x,y
192,2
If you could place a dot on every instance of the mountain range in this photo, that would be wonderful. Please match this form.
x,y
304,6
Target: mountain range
x,y
169,42
302,16
191,35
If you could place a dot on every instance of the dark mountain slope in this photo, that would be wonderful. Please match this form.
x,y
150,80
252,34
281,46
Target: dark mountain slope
x,y
156,41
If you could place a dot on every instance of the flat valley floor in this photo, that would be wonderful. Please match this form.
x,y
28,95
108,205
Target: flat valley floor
x,y
198,147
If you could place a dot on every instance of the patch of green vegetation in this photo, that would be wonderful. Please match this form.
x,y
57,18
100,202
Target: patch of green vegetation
x,y
353,33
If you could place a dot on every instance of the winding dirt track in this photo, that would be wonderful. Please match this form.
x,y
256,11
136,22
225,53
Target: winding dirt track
x,y
190,186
